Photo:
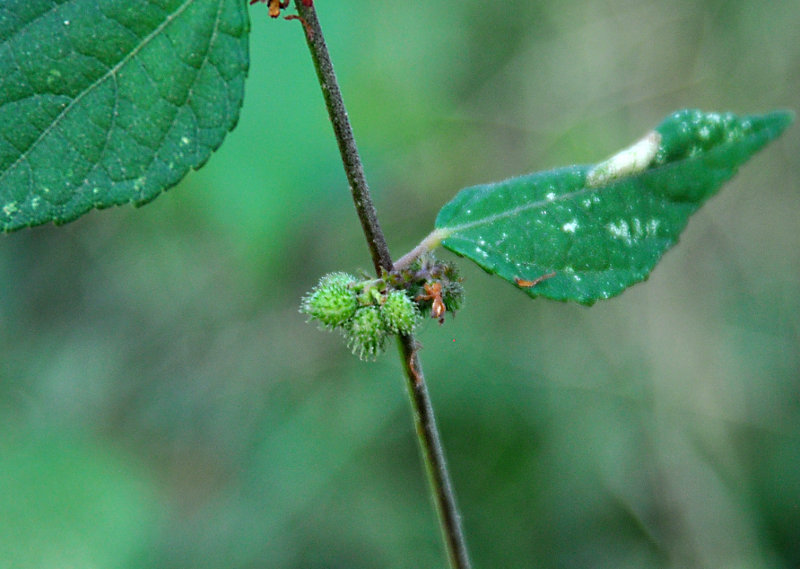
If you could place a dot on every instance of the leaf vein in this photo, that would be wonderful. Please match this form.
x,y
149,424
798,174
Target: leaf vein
x,y
110,73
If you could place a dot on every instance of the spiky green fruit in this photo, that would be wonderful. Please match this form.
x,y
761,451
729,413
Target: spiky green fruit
x,y
332,301
400,314
366,333
337,278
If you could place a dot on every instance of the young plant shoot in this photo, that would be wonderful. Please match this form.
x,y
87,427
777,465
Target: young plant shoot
x,y
157,96
586,233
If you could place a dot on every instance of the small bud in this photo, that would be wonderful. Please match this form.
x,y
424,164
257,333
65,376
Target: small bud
x,y
332,301
452,289
366,333
453,295
400,314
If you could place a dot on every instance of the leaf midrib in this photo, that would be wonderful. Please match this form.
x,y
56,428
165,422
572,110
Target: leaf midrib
x,y
450,230
517,210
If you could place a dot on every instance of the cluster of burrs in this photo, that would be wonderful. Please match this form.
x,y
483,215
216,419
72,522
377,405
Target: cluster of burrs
x,y
369,311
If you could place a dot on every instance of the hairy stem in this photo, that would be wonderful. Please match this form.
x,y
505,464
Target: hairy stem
x,y
427,433
345,139
433,455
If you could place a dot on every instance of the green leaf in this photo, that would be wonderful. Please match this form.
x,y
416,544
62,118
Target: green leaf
x,y
603,228
105,102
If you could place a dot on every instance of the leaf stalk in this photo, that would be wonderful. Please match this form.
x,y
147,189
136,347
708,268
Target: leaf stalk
x,y
431,242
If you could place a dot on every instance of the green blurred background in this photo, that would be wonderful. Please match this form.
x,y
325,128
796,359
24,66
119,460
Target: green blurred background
x,y
163,404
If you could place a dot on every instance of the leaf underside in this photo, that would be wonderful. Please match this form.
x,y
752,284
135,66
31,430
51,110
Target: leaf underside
x,y
105,102
603,228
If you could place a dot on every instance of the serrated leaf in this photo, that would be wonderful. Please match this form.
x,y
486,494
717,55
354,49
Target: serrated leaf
x,y
105,102
603,228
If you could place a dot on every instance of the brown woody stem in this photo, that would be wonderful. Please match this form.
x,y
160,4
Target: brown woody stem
x,y
427,433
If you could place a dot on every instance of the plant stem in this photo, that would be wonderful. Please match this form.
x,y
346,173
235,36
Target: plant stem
x,y
427,433
433,455
344,137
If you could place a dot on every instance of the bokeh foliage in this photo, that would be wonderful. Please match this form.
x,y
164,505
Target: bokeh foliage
x,y
161,397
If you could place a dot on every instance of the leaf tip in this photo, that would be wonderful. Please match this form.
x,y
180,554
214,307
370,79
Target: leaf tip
x,y
782,119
